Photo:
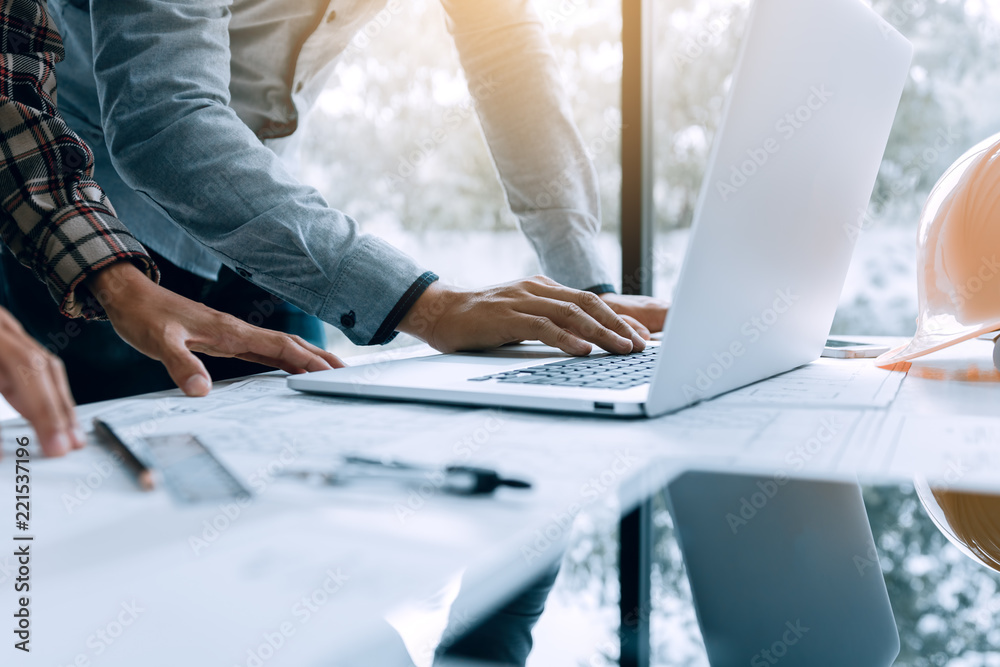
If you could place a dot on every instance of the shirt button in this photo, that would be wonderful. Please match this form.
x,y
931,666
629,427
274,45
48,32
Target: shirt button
x,y
243,273
298,87
73,157
348,320
331,17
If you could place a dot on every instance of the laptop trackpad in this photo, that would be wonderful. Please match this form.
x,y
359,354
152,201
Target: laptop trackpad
x,y
491,360
529,351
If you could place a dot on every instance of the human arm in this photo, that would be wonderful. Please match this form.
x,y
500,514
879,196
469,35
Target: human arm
x,y
170,328
190,154
648,311
56,220
162,70
158,323
451,319
549,178
60,224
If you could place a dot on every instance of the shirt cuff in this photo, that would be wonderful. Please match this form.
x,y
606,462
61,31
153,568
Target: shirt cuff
x,y
81,240
567,251
372,292
387,331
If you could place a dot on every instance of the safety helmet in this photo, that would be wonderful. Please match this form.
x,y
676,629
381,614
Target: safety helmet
x,y
970,521
958,256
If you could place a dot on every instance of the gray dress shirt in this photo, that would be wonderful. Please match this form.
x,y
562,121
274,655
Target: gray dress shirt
x,y
183,102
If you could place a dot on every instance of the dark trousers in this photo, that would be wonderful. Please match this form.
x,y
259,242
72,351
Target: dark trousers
x,y
102,366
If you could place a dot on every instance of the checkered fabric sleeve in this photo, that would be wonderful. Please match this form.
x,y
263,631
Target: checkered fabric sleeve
x,y
54,218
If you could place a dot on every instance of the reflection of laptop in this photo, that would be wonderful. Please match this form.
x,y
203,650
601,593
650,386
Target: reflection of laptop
x,y
808,116
783,571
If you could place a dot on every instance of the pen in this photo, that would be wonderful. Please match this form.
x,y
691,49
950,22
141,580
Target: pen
x,y
459,480
144,474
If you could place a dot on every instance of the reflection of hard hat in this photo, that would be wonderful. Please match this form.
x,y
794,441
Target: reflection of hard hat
x,y
970,521
958,256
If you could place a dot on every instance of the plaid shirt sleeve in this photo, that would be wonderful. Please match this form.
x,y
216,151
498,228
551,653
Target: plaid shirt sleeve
x,y
55,219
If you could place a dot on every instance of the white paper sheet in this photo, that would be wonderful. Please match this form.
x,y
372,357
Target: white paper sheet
x,y
957,451
826,383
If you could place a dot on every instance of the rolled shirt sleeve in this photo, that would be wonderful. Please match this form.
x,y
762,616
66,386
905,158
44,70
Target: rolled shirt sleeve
x,y
550,181
162,70
57,221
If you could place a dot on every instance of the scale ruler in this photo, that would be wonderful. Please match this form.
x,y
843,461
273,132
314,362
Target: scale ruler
x,y
192,473
189,469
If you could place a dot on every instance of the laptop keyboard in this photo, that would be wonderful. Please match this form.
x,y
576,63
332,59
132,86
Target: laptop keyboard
x,y
609,372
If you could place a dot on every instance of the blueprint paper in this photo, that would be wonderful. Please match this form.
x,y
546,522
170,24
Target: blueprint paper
x,y
836,383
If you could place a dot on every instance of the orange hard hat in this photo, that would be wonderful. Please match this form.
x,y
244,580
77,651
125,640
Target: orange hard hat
x,y
958,256
970,521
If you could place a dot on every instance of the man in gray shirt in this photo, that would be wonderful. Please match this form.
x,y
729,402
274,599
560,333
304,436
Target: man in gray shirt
x,y
179,100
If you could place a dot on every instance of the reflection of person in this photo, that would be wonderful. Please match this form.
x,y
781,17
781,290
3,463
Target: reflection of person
x,y
971,521
177,97
505,636
59,223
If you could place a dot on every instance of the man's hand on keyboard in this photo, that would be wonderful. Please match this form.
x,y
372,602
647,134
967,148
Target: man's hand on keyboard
x,y
451,319
648,311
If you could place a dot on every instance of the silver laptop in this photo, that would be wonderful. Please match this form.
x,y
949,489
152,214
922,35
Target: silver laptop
x,y
807,119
